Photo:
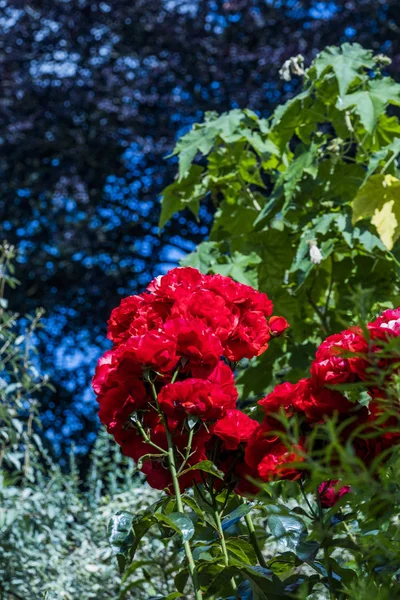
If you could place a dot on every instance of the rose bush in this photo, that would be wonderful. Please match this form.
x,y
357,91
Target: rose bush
x,y
167,394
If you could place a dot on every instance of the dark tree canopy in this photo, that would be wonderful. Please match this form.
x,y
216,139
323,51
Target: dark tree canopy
x,y
94,95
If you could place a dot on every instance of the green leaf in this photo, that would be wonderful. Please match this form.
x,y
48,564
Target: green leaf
x,y
235,516
286,528
249,168
261,145
264,584
304,163
220,577
292,107
239,267
134,566
200,139
169,597
388,153
179,523
181,194
141,524
347,62
192,504
203,258
181,579
233,220
379,199
207,466
242,550
292,531
121,537
339,573
369,104
367,239
120,532
283,562
275,249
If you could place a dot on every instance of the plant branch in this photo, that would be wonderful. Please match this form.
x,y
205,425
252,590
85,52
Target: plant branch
x,y
179,505
253,538
217,517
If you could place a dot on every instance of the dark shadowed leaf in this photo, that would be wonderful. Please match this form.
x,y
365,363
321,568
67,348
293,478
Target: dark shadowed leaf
x,y
179,523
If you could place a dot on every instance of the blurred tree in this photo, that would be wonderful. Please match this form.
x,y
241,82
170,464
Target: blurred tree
x,y
94,95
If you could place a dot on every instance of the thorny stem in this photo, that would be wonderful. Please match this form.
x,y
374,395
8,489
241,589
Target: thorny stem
x,y
178,497
188,449
148,440
179,505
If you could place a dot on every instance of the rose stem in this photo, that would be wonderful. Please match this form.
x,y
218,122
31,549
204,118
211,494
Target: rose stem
x,y
179,505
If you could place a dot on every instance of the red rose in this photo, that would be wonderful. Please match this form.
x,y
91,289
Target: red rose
x,y
155,350
319,403
222,377
243,473
258,446
284,395
176,283
386,325
250,337
277,326
235,428
277,464
121,400
220,315
270,457
333,362
198,397
121,318
329,493
244,296
196,343
304,397
132,444
103,368
119,388
150,316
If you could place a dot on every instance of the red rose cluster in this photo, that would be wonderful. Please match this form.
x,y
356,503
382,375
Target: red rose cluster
x,y
169,367
343,358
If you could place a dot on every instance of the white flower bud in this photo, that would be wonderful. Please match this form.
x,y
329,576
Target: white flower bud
x,y
284,71
292,66
315,253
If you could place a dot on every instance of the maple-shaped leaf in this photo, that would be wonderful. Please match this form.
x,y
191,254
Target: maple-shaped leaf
x,y
346,62
371,102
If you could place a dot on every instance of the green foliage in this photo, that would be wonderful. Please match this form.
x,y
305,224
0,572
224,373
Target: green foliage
x,y
20,381
306,202
53,533
52,525
306,209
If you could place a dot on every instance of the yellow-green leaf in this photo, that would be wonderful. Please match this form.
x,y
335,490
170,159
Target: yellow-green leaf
x,y
379,200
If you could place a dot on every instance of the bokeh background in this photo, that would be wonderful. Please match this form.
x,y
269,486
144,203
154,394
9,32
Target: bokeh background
x,y
94,96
